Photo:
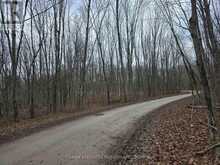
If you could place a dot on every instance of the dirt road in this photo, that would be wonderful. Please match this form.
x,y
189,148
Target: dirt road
x,y
83,141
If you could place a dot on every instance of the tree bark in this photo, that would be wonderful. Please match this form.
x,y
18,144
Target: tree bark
x,y
123,84
83,69
200,54
14,62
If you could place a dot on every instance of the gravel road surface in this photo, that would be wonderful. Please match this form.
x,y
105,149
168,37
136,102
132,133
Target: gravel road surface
x,y
80,142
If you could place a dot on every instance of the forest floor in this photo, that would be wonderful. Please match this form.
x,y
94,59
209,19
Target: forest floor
x,y
10,131
171,135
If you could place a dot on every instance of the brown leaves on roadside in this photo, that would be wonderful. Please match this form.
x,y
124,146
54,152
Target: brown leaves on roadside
x,y
171,135
177,135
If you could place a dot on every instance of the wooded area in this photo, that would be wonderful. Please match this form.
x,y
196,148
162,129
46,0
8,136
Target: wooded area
x,y
67,55
104,52
201,19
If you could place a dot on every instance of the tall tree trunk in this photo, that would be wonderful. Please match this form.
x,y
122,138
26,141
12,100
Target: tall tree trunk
x,y
200,54
123,84
215,48
57,31
14,61
215,51
83,69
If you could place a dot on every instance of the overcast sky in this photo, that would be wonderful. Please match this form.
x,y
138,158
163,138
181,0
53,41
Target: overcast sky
x,y
75,3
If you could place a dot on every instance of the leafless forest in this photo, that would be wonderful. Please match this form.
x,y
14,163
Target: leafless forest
x,y
64,55
100,53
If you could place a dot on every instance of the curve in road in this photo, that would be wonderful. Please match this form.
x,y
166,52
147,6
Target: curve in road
x,y
83,141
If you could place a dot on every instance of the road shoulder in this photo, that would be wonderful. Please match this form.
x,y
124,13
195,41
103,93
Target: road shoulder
x,y
171,134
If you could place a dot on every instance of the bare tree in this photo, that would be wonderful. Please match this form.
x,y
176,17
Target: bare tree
x,y
85,55
14,49
63,60
123,84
